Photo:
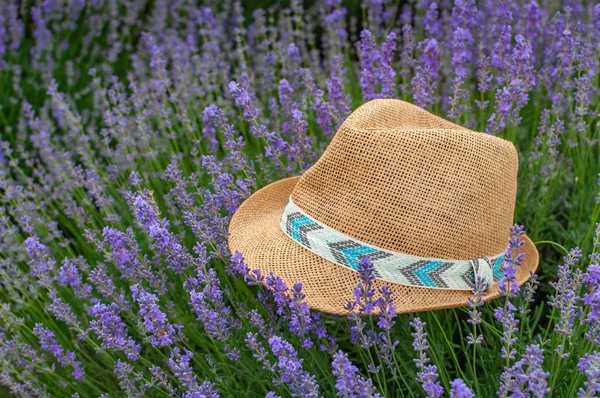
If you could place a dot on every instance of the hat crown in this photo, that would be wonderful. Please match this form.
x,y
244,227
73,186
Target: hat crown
x,y
399,178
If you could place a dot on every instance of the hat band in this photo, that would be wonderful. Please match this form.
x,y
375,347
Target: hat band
x,y
389,266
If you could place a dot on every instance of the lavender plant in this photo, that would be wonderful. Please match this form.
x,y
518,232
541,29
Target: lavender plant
x,y
132,130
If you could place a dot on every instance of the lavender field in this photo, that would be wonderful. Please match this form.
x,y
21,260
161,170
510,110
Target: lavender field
x,y
132,130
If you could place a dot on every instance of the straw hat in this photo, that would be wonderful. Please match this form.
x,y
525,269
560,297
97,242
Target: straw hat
x,y
428,201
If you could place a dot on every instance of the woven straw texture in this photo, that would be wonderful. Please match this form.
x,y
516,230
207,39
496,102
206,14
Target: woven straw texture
x,y
399,178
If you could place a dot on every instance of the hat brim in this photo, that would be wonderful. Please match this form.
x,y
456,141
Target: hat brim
x,y
255,232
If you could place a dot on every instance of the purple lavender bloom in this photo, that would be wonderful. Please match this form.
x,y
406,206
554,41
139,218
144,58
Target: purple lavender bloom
x,y
14,25
134,179
279,291
49,344
42,265
155,322
243,100
301,320
368,56
63,311
484,79
182,369
433,25
376,66
3,37
43,36
251,277
105,286
213,119
165,242
533,358
349,383
126,254
293,65
526,377
128,379
583,94
475,302
520,77
207,302
427,374
205,390
286,95
465,14
521,68
387,309
427,377
334,24
589,366
596,18
232,353
501,49
289,367
160,379
566,298
258,351
111,330
158,63
406,57
507,317
121,254
534,21
508,284
291,306
458,389
461,55
430,54
426,73
422,94
338,98
387,315
364,292
321,107
387,75
591,298
363,304
68,274
530,289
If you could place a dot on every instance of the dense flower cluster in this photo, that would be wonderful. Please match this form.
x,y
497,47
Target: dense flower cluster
x,y
132,130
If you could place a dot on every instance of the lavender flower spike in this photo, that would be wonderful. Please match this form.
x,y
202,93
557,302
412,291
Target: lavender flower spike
x,y
243,100
49,344
508,284
427,374
300,382
458,389
566,298
155,322
112,331
589,365
349,383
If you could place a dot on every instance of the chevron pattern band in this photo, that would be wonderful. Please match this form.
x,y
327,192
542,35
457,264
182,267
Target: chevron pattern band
x,y
389,266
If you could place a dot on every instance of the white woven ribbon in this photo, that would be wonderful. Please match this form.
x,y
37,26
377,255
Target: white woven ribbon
x,y
389,266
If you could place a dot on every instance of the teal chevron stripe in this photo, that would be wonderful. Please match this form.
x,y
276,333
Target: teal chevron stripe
x,y
343,250
296,224
354,254
498,268
422,272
